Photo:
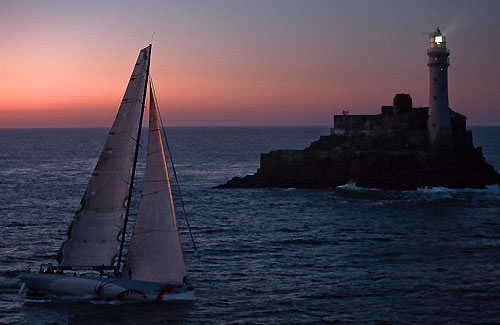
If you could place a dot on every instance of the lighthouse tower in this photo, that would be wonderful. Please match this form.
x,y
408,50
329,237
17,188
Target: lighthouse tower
x,y
438,123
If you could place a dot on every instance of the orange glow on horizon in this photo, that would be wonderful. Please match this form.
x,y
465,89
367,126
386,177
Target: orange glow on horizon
x,y
236,63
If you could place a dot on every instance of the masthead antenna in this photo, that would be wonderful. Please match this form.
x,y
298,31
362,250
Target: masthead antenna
x,y
152,38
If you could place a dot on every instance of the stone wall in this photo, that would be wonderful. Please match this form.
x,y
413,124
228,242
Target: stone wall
x,y
416,119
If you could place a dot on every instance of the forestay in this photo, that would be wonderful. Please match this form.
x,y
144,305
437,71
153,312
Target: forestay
x,y
155,252
95,233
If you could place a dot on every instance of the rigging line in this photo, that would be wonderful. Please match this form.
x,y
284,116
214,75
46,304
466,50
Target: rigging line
x,y
175,176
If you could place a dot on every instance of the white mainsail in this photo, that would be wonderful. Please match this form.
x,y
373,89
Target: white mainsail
x,y
155,252
95,233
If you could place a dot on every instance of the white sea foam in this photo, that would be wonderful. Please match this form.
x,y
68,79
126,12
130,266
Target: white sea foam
x,y
352,186
433,190
430,190
424,194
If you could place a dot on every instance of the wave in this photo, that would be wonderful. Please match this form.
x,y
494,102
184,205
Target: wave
x,y
16,224
352,186
490,196
489,188
304,241
428,189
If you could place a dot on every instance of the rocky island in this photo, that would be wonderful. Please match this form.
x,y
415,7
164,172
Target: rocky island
x,y
386,151
403,148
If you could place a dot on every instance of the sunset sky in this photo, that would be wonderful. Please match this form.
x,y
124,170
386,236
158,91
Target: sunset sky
x,y
67,63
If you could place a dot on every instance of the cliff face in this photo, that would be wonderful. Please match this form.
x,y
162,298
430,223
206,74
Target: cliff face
x,y
378,151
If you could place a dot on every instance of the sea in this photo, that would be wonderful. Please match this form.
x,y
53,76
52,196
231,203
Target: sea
x,y
269,256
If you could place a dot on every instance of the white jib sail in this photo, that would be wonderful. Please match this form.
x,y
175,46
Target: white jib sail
x,y
94,235
155,252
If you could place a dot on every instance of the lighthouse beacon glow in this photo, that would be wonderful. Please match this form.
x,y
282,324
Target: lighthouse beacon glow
x,y
438,123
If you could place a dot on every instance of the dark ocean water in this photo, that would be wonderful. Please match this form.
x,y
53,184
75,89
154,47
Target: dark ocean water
x,y
272,255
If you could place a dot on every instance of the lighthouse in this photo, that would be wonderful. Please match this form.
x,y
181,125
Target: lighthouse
x,y
438,123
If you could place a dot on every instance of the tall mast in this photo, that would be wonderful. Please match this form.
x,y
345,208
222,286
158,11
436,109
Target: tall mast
x,y
124,230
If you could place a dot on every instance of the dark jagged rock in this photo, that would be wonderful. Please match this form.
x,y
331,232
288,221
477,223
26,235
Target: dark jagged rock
x,y
385,151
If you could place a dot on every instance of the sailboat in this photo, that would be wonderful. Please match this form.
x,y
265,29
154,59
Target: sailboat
x,y
91,261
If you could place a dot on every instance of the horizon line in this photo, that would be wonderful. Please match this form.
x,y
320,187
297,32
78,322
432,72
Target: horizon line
x,y
193,126
178,126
